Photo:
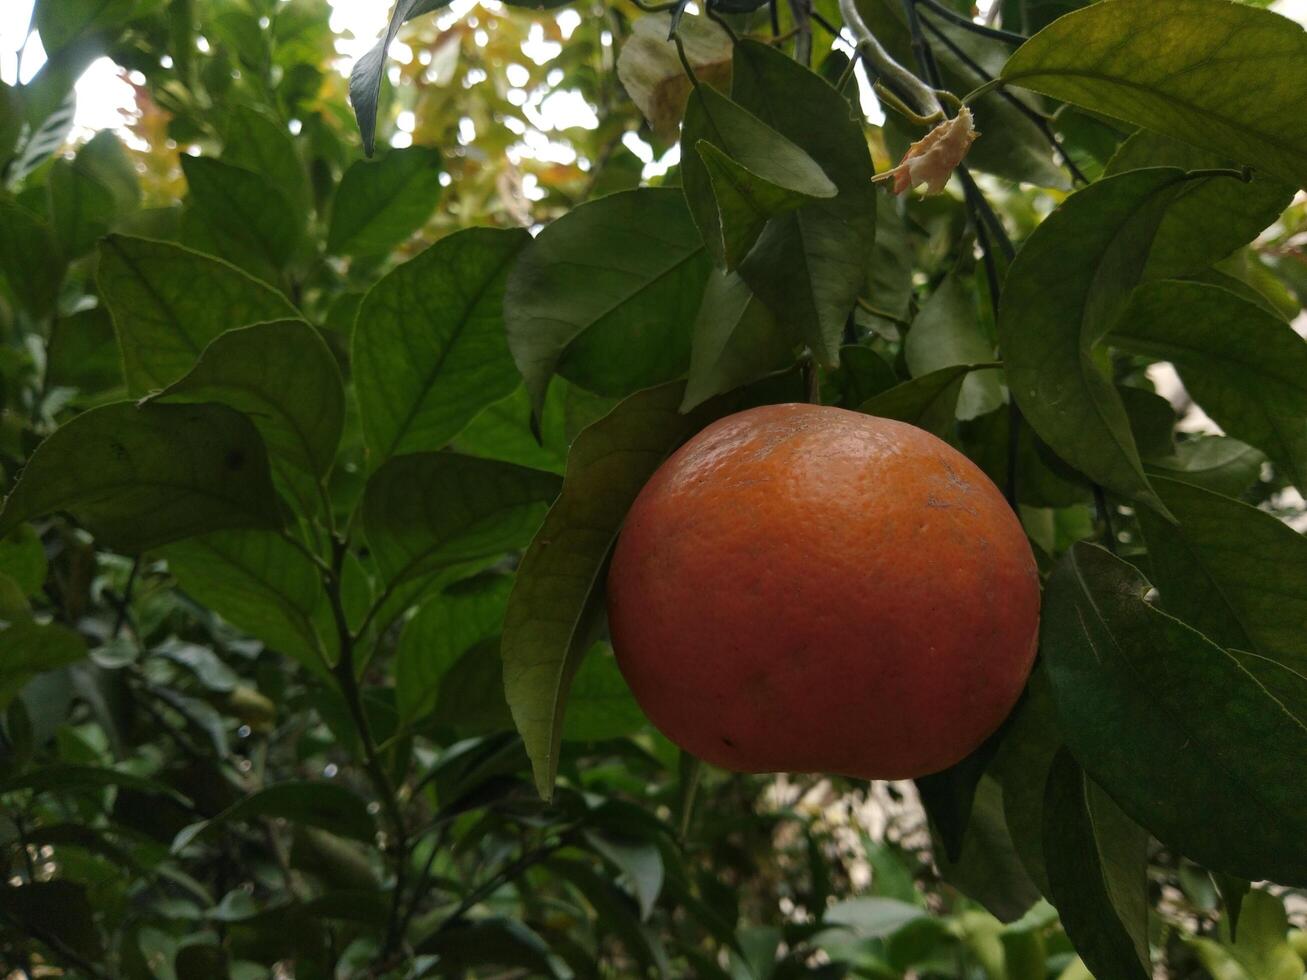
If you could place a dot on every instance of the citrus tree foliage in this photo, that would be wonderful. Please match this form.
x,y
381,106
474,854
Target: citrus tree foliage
x,y
327,387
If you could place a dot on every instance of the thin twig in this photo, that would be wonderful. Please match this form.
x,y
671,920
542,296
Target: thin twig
x,y
886,68
1021,107
1105,515
801,10
966,23
125,603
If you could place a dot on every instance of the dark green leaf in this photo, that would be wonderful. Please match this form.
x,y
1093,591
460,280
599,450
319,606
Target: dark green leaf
x,y
57,913
928,402
83,353
498,942
808,265
428,348
599,704
29,257
260,583
1218,463
1021,766
28,648
1097,858
70,778
168,303
1209,219
285,378
22,558
249,220
737,172
605,296
60,22
142,476
378,205
443,629
638,859
873,918
504,431
1232,890
326,806
104,158
1222,76
365,77
423,514
1235,573
736,340
82,208
987,867
1191,740
946,333
1247,368
552,610
1063,293
1152,421
256,142
200,961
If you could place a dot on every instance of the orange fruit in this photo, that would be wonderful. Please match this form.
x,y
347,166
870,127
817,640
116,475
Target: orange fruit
x,y
808,589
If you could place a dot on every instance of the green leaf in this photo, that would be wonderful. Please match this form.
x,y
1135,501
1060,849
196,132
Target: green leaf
x,y
29,257
140,477
928,402
1262,951
260,144
606,295
22,558
987,867
554,603
57,912
365,77
490,941
1209,219
260,583
736,340
83,354
874,917
428,348
600,704
1013,145
60,22
1247,368
1063,293
1192,741
947,333
442,631
1232,891
251,222
168,303
28,648
378,205
504,431
1221,76
1217,463
737,172
1152,421
64,779
82,208
327,806
425,513
862,374
104,158
1097,859
285,379
1021,766
638,859
808,265
1235,573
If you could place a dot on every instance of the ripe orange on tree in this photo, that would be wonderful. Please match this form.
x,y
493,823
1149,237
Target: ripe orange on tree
x,y
805,588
